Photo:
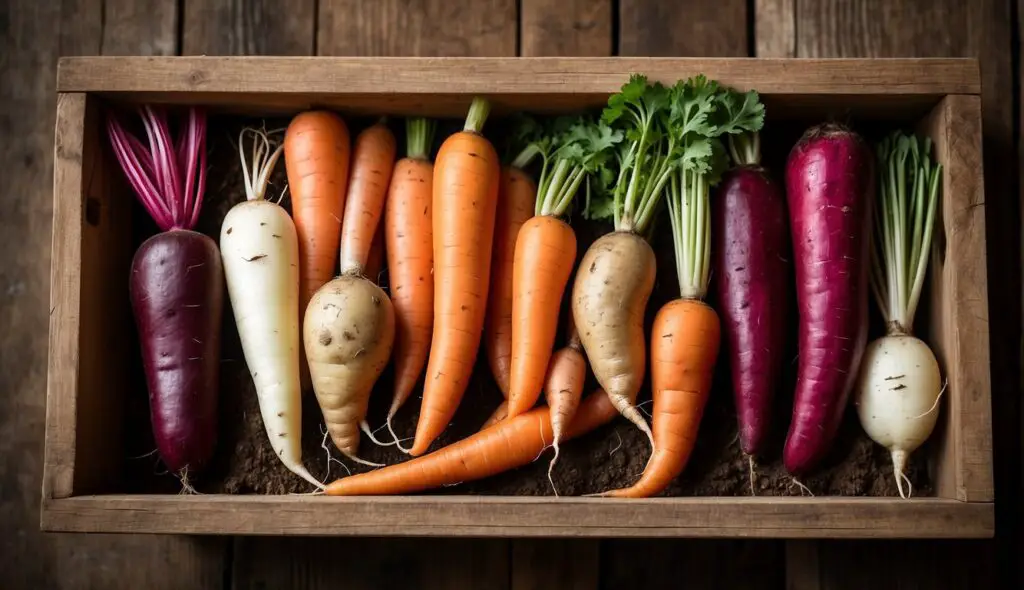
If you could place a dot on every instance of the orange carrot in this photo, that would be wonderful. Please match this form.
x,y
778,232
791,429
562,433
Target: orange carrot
x,y
375,260
409,239
316,157
465,197
507,445
546,252
515,206
684,349
563,388
499,414
372,161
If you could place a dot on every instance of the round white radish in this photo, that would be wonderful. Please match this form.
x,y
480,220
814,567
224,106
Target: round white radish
x,y
899,384
260,252
897,396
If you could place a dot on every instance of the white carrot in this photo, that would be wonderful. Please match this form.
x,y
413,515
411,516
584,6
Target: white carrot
x,y
260,251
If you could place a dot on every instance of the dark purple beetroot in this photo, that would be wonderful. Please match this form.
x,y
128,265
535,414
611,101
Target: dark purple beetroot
x,y
753,270
177,287
829,187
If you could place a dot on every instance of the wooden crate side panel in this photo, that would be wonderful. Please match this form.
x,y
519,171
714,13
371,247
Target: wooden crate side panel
x,y
959,303
524,517
69,158
105,356
502,76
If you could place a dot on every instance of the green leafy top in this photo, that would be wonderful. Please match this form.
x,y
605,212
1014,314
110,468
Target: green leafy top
x,y
667,130
904,217
572,149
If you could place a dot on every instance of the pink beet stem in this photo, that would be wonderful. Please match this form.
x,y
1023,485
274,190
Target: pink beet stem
x,y
172,199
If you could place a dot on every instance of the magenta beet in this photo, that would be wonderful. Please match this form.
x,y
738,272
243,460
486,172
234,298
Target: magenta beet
x,y
752,264
176,287
829,186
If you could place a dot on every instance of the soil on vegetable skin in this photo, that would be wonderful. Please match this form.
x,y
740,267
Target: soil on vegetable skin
x,y
610,457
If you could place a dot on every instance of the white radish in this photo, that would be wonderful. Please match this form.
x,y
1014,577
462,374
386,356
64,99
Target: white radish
x,y
260,252
899,385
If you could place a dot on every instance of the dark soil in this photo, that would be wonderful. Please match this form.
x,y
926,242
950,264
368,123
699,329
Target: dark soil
x,y
612,456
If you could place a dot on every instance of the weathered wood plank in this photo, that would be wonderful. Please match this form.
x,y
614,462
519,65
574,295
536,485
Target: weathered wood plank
x,y
565,28
535,516
139,28
249,27
370,564
36,34
670,27
775,28
417,27
756,565
891,565
514,76
555,564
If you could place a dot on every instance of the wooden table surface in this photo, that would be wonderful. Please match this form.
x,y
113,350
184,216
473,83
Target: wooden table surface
x,y
35,32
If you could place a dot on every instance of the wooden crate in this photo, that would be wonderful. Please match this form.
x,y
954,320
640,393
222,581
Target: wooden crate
x,y
89,356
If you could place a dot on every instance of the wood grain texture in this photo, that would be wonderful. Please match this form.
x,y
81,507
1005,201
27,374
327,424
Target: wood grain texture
x,y
249,27
958,301
417,27
670,28
492,516
775,28
739,565
153,27
565,28
555,564
891,565
370,564
515,76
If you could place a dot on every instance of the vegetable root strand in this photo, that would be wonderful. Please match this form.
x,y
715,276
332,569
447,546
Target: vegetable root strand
x,y
935,405
327,450
899,464
398,441
753,474
188,490
365,427
803,489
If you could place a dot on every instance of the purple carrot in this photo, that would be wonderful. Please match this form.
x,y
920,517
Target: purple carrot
x,y
752,258
176,286
829,186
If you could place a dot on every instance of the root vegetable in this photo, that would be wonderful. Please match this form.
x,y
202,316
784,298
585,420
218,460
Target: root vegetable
x,y
563,387
466,175
507,445
829,186
899,385
751,249
176,287
260,252
349,325
408,229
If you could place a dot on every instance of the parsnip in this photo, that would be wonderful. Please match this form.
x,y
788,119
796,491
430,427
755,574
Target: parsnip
x,y
259,249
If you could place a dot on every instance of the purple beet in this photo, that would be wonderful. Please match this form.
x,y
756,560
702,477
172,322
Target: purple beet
x,y
829,187
752,258
177,287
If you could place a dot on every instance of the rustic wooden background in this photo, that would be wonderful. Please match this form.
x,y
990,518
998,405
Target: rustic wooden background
x,y
33,33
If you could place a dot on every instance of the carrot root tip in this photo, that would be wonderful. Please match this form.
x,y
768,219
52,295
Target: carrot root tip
x,y
551,467
397,441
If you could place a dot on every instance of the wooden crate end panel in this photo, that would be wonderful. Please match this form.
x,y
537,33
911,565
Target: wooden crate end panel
x,y
403,75
524,517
